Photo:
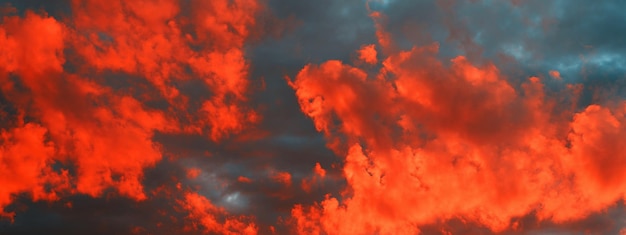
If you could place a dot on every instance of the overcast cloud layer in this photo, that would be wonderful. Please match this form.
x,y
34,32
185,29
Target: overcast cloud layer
x,y
312,117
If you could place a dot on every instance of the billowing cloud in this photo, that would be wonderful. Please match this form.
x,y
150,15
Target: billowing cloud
x,y
312,117
71,118
424,142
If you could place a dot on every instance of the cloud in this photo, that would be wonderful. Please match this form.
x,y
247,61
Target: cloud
x,y
174,46
78,134
26,159
555,74
368,54
425,142
441,116
73,112
282,177
203,216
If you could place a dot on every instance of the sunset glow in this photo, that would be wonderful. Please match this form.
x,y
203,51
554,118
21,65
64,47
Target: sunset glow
x,y
312,117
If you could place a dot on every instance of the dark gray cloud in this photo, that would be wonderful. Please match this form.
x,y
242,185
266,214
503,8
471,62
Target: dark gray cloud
x,y
56,8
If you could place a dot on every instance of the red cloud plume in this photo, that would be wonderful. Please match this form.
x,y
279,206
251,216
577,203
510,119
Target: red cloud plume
x,y
426,142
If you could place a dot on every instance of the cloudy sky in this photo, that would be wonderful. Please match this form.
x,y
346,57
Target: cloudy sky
x,y
312,117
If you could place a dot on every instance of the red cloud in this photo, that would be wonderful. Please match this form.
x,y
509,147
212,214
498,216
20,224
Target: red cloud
x,y
555,74
106,135
426,142
282,177
317,178
208,218
367,53
25,158
244,179
74,118
208,39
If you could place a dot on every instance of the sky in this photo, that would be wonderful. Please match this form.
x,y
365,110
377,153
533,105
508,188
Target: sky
x,y
312,117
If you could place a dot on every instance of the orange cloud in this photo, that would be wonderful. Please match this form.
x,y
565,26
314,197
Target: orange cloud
x,y
555,74
428,142
319,170
75,118
193,173
205,217
25,158
282,177
208,39
317,178
367,54
26,152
